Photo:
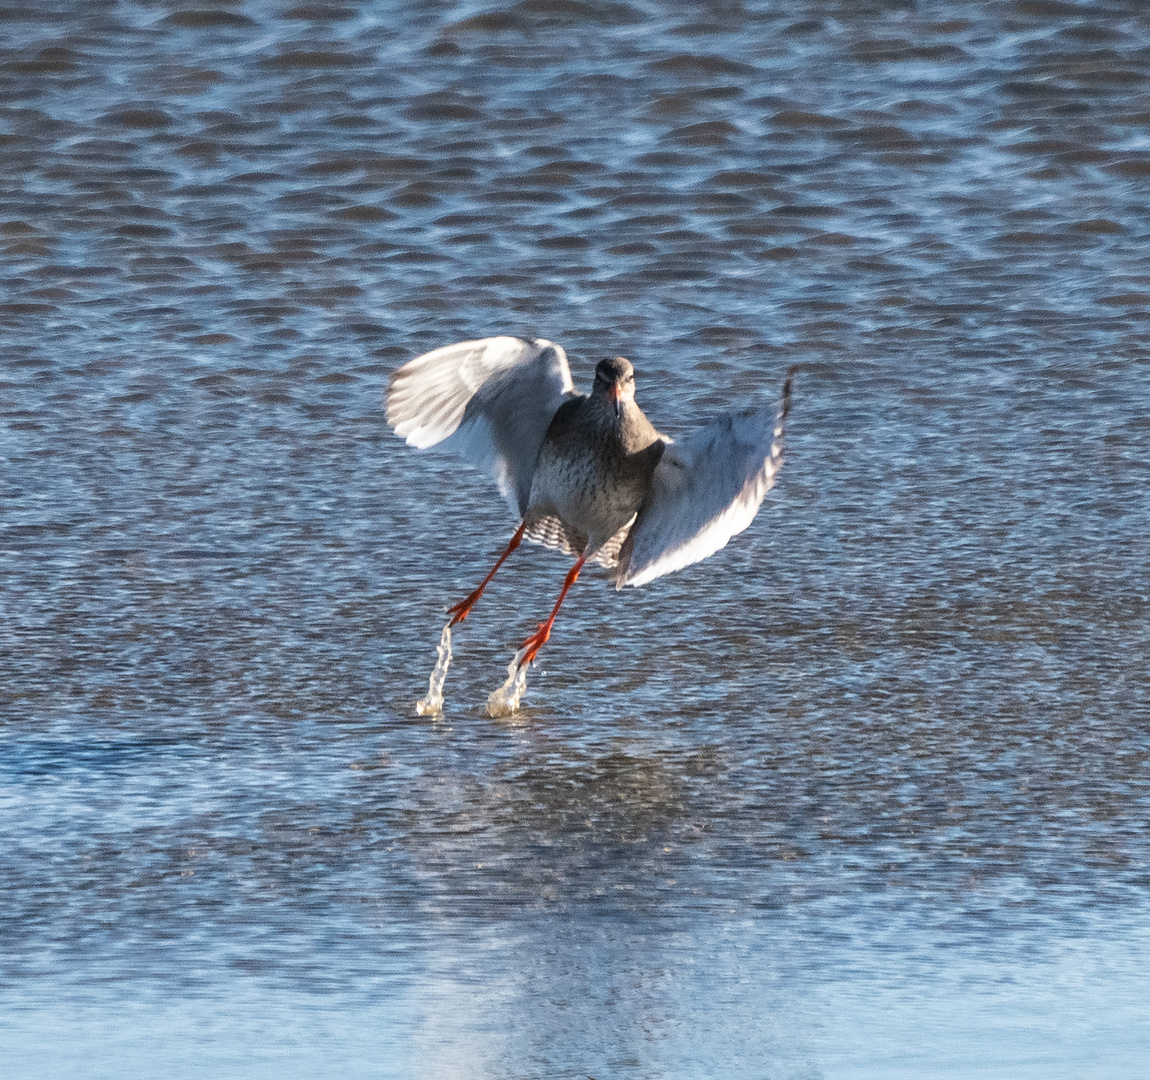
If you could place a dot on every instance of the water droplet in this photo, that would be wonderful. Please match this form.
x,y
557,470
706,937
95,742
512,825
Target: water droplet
x,y
432,705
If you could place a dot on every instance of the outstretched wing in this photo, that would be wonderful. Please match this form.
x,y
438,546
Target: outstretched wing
x,y
705,490
490,401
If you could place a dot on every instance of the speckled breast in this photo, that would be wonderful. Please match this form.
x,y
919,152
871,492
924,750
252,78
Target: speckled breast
x,y
587,478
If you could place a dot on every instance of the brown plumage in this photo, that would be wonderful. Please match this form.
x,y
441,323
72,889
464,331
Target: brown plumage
x,y
594,468
588,475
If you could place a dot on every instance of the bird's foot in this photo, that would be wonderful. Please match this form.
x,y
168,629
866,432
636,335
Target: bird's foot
x,y
534,643
460,611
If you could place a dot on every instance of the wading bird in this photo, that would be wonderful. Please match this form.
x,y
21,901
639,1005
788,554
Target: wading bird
x,y
586,473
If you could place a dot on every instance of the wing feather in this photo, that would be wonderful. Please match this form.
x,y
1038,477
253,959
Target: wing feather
x,y
706,489
490,401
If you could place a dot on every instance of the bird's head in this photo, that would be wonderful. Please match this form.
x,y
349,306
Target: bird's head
x,y
615,378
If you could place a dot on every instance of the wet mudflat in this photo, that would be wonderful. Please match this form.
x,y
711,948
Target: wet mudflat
x,y
865,795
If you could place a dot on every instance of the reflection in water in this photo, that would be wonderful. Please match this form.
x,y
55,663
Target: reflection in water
x,y
865,797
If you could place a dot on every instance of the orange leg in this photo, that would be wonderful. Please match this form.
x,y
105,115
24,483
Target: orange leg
x,y
537,640
460,611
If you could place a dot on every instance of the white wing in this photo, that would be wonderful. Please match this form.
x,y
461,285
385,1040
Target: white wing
x,y
705,490
492,400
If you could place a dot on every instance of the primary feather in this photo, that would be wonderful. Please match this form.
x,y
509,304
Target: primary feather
x,y
706,489
490,401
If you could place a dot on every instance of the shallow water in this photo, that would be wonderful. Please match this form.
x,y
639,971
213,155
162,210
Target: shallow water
x,y
865,795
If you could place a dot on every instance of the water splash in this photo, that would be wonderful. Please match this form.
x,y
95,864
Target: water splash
x,y
505,700
432,705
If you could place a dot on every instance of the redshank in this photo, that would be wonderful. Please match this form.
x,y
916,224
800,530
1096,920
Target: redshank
x,y
587,474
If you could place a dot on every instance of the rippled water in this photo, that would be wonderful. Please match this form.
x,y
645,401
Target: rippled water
x,y
865,795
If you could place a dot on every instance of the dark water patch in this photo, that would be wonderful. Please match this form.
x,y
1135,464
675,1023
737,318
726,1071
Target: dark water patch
x,y
1132,168
694,64
202,19
900,50
138,117
709,133
305,59
798,118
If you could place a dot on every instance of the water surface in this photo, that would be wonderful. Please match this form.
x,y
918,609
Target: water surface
x,y
864,796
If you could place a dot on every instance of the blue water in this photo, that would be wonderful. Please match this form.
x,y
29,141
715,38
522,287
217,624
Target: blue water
x,y
865,795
